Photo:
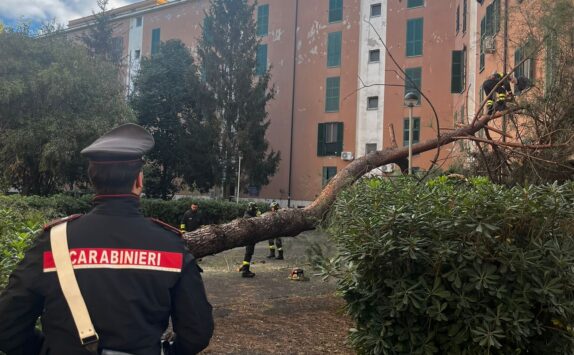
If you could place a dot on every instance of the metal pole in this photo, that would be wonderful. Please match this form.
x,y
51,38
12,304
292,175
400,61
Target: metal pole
x,y
410,139
238,180
293,102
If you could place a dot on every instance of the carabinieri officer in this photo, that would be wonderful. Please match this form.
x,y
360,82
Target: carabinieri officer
x,y
133,273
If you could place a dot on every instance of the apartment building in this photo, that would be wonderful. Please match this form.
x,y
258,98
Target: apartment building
x,y
338,90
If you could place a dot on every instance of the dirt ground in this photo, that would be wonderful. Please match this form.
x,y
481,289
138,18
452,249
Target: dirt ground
x,y
270,314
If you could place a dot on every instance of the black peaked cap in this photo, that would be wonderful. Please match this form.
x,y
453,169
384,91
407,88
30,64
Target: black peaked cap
x,y
126,142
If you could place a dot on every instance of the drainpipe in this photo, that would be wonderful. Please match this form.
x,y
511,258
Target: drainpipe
x,y
293,103
505,60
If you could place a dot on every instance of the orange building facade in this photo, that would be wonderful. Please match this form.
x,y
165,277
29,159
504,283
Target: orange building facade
x,y
338,89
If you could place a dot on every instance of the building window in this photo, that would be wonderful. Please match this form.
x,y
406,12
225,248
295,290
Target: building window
x,y
117,48
137,54
262,20
374,55
330,139
328,173
375,10
335,10
525,69
493,18
414,37
334,49
332,94
414,3
458,71
458,19
261,60
139,21
372,103
416,130
370,147
155,40
464,11
413,85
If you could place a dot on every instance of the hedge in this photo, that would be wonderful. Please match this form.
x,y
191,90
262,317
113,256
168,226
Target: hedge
x,y
214,211
455,267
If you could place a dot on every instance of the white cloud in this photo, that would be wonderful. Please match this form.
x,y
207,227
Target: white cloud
x,y
46,10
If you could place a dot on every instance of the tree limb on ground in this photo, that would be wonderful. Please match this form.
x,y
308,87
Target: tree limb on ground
x,y
214,239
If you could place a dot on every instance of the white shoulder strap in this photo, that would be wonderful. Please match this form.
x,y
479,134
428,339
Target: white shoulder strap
x,y
69,285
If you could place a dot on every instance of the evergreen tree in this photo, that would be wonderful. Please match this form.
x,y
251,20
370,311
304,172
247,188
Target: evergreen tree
x,y
227,57
99,36
167,91
54,101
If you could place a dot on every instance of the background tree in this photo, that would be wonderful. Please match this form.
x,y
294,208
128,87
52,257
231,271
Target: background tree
x,y
99,38
547,117
167,91
227,58
54,100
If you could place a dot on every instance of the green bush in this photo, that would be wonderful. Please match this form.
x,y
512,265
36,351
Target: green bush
x,y
17,231
456,267
57,206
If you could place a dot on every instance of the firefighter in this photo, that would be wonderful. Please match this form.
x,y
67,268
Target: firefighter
x,y
252,211
496,101
192,219
275,242
107,281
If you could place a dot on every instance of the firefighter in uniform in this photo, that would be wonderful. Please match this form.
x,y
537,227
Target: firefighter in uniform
x,y
496,100
192,219
275,242
252,211
133,273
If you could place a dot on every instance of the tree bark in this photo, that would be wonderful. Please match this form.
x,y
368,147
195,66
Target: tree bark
x,y
214,239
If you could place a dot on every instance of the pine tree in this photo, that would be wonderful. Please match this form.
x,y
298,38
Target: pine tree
x,y
167,92
99,36
227,58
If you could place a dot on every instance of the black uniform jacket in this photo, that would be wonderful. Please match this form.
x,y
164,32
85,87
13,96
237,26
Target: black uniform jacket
x,y
489,84
133,273
192,220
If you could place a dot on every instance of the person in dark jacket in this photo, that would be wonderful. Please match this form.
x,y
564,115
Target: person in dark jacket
x,y
133,273
252,211
192,219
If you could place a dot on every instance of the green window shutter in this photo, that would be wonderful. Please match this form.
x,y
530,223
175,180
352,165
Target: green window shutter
x,y
321,140
332,94
335,10
464,12
339,148
457,19
496,16
262,20
414,42
416,130
328,173
517,58
414,3
456,72
482,34
415,74
261,60
155,40
334,49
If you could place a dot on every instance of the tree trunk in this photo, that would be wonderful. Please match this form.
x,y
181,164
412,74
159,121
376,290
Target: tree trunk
x,y
214,239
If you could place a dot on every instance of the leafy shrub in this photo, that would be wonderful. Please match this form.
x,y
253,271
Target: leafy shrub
x,y
57,206
456,267
17,231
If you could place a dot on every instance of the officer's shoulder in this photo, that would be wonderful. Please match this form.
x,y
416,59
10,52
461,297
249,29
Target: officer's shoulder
x,y
55,222
166,226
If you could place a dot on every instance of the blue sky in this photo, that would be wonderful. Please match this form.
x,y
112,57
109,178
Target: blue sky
x,y
37,12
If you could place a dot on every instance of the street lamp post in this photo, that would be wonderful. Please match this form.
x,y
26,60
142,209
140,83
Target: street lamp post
x,y
411,99
238,180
